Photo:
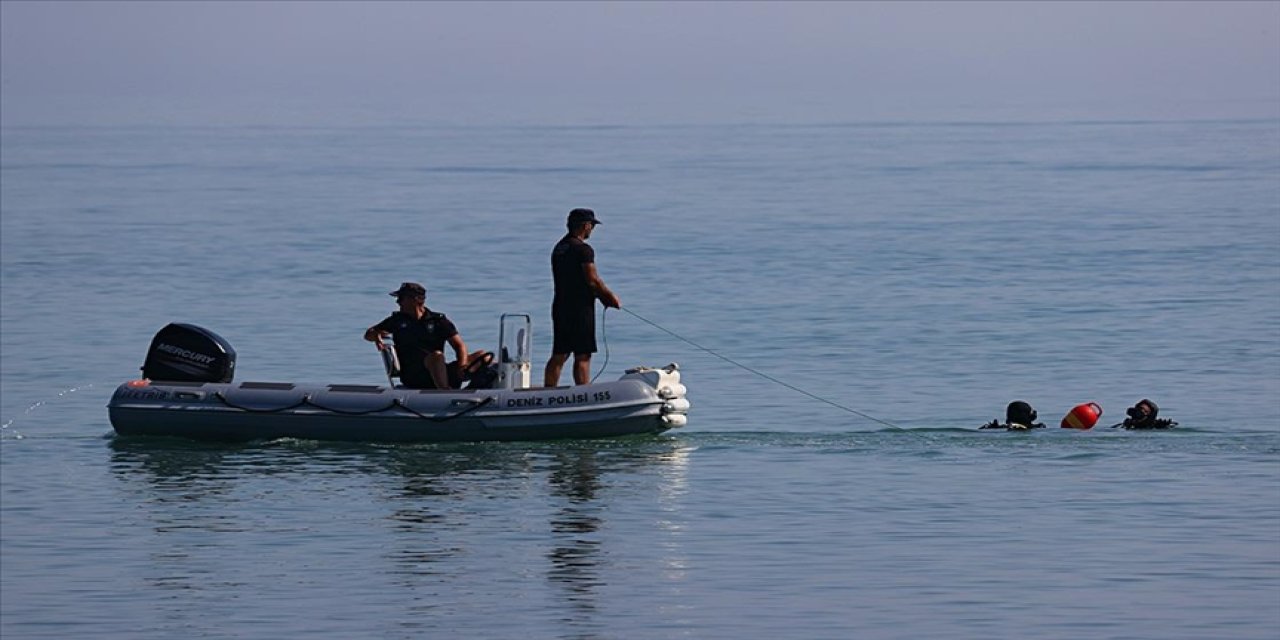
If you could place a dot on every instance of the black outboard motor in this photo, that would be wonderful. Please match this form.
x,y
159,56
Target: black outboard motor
x,y
187,353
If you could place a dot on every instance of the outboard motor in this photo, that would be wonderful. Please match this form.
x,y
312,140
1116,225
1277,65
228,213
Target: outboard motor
x,y
187,353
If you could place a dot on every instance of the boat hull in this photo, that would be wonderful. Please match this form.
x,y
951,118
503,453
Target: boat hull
x,y
645,401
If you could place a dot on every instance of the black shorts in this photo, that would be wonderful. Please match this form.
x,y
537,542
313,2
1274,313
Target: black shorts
x,y
417,379
424,380
574,329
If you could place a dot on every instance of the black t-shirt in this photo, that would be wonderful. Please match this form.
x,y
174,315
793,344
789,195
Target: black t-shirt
x,y
567,260
414,339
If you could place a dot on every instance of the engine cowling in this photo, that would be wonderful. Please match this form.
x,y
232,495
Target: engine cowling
x,y
187,353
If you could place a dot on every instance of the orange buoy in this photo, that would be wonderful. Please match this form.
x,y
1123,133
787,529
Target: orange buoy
x,y
1082,416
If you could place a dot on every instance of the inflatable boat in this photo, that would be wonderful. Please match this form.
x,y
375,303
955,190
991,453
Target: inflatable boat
x,y
187,391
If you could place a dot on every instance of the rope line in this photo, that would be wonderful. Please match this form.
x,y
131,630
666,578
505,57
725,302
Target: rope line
x,y
395,403
760,373
345,412
222,397
473,407
604,334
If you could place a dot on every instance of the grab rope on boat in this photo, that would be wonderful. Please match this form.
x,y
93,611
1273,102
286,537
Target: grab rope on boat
x,y
395,403
755,371
473,407
306,398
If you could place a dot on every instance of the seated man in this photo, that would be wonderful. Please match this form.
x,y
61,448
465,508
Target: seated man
x,y
1017,416
419,335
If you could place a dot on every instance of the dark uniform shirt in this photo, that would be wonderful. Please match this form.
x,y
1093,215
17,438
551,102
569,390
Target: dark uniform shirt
x,y
573,308
414,339
567,260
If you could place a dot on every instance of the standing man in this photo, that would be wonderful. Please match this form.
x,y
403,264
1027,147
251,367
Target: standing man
x,y
573,310
420,334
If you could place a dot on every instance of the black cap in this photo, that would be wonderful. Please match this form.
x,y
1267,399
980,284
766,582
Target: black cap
x,y
410,289
579,216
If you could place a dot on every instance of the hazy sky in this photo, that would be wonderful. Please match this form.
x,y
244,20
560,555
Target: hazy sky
x,y
619,62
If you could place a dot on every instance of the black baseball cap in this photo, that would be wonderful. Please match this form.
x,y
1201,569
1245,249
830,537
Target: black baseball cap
x,y
579,216
410,289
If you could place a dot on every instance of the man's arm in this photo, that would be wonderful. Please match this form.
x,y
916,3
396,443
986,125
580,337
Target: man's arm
x,y
460,350
375,334
607,297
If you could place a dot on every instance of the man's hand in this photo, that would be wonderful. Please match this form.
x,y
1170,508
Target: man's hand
x,y
375,336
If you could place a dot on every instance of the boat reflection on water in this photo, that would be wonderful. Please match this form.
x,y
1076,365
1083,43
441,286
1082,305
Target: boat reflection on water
x,y
574,555
433,520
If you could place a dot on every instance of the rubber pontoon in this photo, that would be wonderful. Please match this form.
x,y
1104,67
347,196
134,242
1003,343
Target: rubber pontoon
x,y
187,392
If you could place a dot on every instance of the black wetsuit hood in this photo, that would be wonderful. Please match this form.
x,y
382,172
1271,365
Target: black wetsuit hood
x,y
1145,415
1019,412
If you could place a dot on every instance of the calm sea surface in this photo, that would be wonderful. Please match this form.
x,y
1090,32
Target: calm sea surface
x,y
923,275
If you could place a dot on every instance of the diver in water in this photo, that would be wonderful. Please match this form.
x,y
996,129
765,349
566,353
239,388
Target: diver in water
x,y
1018,416
1144,416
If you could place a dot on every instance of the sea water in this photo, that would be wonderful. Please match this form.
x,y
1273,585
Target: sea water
x,y
847,303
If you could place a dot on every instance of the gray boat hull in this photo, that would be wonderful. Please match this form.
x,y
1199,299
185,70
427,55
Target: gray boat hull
x,y
644,401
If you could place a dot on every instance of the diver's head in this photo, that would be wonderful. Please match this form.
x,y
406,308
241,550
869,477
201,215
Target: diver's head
x,y
1019,412
1143,412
